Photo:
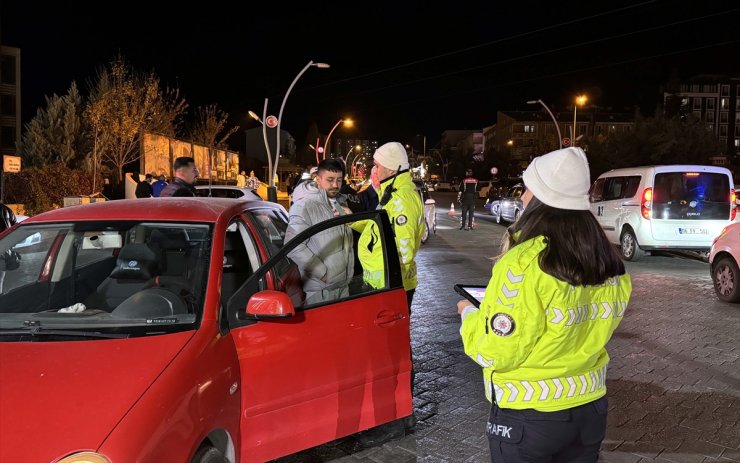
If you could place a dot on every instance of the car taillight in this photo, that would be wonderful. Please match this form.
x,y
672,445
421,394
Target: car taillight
x,y
733,205
647,202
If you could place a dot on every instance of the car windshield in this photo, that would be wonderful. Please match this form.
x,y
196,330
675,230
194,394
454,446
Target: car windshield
x,y
130,277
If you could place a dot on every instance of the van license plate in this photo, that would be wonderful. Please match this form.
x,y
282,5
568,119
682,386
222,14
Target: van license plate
x,y
692,231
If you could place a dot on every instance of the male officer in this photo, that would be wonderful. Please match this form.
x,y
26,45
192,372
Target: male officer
x,y
467,196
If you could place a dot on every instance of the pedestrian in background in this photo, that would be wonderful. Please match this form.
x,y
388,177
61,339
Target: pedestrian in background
x,y
185,175
467,196
143,188
158,186
554,299
326,260
241,179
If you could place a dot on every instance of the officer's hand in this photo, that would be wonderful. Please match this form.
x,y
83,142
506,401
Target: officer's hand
x,y
462,304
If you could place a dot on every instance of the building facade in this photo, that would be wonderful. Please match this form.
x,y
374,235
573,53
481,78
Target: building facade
x,y
10,99
715,100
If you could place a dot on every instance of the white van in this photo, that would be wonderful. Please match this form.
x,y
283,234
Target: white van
x,y
676,207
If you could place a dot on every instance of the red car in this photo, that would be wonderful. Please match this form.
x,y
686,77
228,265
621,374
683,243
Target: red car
x,y
174,330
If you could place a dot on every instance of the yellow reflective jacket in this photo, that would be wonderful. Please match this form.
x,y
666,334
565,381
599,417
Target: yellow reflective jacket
x,y
406,213
541,342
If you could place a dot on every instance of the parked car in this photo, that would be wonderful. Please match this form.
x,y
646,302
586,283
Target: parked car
x,y
666,208
509,206
175,329
445,186
225,191
723,263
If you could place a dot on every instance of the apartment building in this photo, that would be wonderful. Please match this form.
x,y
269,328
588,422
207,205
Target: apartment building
x,y
10,99
713,99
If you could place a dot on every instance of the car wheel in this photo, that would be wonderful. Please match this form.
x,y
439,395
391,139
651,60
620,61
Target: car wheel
x,y
209,454
726,278
425,234
497,214
516,215
628,246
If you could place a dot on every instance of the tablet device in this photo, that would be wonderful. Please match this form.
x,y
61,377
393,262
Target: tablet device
x,y
473,293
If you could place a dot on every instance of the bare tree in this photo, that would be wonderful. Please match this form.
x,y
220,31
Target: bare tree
x,y
209,123
124,104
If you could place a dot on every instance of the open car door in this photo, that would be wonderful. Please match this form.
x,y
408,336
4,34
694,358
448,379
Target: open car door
x,y
315,372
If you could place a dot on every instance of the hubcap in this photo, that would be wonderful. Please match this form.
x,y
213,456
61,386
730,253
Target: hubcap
x,y
627,245
724,280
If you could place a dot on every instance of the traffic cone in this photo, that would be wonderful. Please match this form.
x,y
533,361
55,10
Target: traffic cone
x,y
452,210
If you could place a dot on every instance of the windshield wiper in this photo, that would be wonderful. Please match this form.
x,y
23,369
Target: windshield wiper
x,y
39,331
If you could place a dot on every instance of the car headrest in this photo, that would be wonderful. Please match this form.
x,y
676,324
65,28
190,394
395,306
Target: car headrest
x,y
136,262
169,241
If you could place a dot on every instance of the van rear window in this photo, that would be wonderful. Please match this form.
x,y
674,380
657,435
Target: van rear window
x,y
691,196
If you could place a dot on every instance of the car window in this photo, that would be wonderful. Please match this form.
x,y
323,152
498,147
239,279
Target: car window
x,y
597,190
614,188
632,184
118,274
691,196
271,226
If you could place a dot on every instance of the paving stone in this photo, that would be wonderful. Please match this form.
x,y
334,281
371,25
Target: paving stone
x,y
672,379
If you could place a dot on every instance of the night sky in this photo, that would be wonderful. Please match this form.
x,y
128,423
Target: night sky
x,y
398,68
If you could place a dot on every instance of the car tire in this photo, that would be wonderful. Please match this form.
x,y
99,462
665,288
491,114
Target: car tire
x,y
208,454
497,215
628,246
516,215
726,279
425,234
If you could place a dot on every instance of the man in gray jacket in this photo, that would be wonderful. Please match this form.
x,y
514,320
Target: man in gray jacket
x,y
326,260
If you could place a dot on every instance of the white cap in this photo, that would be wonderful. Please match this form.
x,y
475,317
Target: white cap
x,y
391,155
560,179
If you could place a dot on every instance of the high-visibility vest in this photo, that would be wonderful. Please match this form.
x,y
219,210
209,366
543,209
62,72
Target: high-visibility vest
x,y
406,213
541,341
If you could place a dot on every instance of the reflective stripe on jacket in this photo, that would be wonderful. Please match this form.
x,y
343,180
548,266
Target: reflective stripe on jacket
x,y
541,342
406,213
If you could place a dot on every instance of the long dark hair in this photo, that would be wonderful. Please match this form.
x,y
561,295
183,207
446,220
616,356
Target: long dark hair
x,y
577,252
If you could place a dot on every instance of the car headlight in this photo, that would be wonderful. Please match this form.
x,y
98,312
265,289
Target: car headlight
x,y
85,457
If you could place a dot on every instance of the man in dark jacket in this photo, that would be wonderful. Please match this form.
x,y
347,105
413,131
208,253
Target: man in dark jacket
x,y
144,189
467,196
185,175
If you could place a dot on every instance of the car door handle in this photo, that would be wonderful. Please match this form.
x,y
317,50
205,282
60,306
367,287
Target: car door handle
x,y
387,317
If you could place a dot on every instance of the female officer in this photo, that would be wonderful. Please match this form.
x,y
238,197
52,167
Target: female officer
x,y
555,297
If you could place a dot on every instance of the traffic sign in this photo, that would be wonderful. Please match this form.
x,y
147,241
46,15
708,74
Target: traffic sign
x,y
271,121
566,141
494,171
11,164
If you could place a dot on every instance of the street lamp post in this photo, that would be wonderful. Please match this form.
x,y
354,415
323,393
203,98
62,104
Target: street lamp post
x,y
272,189
347,122
268,155
580,100
557,127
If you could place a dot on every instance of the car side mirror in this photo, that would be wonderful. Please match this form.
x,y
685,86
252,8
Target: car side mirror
x,y
270,304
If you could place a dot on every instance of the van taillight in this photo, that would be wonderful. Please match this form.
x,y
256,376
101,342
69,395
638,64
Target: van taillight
x,y
733,205
647,202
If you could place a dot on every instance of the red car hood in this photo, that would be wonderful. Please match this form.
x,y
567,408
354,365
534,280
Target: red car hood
x,y
61,397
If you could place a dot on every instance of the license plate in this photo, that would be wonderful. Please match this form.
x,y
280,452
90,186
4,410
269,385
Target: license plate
x,y
692,231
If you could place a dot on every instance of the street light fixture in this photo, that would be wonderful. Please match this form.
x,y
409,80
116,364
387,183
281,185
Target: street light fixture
x,y
348,122
580,100
272,189
557,127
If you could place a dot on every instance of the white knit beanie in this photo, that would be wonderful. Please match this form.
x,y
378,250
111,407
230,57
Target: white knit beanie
x,y
560,179
391,155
